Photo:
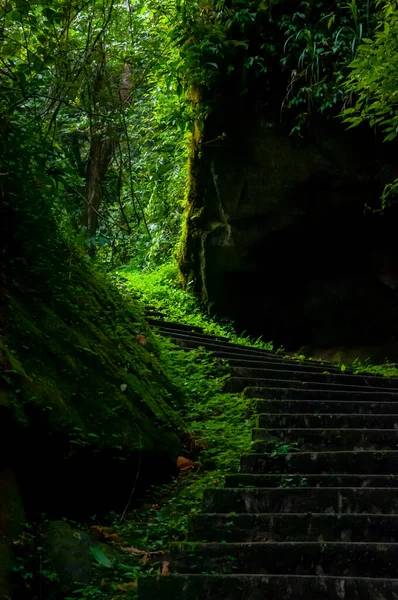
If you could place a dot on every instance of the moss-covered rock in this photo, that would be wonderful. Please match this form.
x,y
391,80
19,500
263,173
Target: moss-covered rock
x,y
73,552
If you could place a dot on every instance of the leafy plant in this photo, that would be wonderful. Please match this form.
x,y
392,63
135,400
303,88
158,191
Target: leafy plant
x,y
372,85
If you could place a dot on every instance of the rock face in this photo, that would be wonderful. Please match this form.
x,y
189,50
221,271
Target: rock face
x,y
281,235
277,233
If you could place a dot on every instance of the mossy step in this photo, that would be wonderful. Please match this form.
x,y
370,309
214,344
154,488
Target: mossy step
x,y
328,421
213,344
270,587
333,392
278,480
292,374
327,439
245,354
354,559
362,462
200,339
301,500
282,527
322,407
176,328
186,332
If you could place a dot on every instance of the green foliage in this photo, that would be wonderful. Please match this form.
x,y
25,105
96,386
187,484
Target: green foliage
x,y
372,83
305,50
100,557
321,39
372,78
283,448
101,72
384,370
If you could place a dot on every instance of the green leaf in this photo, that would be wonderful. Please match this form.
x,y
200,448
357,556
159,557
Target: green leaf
x,y
100,557
390,137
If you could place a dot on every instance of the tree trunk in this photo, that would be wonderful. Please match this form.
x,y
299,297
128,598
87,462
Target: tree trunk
x,y
101,150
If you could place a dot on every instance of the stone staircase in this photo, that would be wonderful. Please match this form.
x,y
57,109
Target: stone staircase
x,y
317,523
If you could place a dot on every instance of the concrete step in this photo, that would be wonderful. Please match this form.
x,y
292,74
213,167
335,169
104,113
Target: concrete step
x,y
301,500
326,439
291,373
274,363
321,407
333,559
288,527
361,463
295,524
238,384
269,587
306,392
324,480
328,421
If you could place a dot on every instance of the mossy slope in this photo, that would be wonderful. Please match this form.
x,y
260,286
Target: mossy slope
x,y
77,359
69,351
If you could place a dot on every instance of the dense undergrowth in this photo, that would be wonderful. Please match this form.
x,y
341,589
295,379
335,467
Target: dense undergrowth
x,y
218,430
161,288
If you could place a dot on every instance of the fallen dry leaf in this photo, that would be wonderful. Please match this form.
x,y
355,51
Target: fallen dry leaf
x,y
141,339
134,551
165,567
191,441
102,535
127,588
115,538
151,506
147,558
185,464
137,552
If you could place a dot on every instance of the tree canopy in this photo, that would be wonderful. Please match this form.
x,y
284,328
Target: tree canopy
x,y
101,97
